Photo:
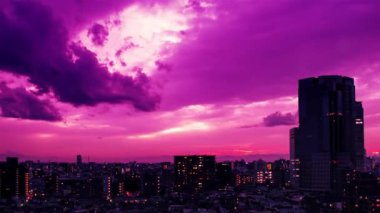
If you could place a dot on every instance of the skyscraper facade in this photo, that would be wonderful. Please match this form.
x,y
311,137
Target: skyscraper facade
x,y
330,138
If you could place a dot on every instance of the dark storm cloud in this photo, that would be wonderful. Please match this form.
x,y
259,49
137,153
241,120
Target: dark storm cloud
x,y
278,118
98,34
19,103
35,44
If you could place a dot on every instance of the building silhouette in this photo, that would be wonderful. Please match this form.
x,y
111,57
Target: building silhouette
x,y
14,180
329,140
194,173
79,160
294,159
224,174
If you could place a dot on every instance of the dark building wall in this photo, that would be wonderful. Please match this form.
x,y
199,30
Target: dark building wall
x,y
51,185
79,160
329,139
224,175
293,142
361,192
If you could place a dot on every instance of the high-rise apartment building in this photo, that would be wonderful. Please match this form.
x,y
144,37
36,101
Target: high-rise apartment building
x,y
14,180
194,173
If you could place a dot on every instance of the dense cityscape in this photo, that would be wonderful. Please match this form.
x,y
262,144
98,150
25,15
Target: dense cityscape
x,y
328,171
191,184
190,106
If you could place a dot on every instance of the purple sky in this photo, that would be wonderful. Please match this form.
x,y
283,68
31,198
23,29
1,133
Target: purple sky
x,y
145,80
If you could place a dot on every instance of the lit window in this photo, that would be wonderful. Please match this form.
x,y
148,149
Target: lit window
x,y
358,121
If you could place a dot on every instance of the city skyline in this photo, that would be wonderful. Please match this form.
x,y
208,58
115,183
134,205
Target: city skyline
x,y
122,81
192,183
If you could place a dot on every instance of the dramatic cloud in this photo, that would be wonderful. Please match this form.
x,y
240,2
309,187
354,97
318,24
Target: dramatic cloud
x,y
258,50
35,44
138,36
278,118
19,103
212,66
98,34
79,14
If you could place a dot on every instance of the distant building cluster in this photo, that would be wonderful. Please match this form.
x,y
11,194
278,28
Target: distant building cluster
x,y
193,183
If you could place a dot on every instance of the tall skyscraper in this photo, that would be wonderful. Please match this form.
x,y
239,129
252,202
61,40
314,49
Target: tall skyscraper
x,y
194,173
330,138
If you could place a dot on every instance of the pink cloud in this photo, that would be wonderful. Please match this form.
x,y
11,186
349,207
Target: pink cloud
x,y
258,51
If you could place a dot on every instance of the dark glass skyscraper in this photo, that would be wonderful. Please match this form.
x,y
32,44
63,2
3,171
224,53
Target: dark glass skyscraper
x,y
330,138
